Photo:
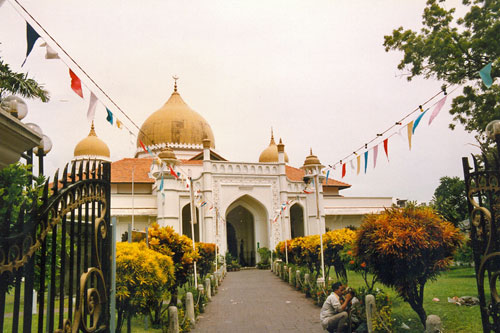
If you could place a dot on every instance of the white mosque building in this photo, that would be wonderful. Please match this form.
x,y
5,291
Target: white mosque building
x,y
241,206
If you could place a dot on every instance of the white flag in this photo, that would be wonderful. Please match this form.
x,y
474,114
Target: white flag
x,y
92,106
50,53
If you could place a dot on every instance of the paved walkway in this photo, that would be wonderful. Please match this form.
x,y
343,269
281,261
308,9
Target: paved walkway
x,y
258,301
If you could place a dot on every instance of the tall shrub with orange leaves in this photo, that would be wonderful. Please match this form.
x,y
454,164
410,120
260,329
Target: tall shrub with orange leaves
x,y
405,248
206,263
166,241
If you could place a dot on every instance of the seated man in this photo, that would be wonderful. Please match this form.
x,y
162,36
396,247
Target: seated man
x,y
333,314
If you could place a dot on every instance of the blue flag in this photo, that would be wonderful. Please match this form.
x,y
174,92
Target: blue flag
x,y
31,37
109,116
161,184
366,159
485,74
417,121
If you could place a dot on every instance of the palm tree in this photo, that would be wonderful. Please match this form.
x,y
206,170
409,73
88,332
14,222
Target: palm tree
x,y
12,83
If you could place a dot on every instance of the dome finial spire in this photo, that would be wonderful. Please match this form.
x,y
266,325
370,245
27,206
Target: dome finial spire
x,y
175,77
92,129
272,135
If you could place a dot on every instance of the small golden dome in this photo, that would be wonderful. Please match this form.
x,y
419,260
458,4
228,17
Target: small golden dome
x,y
167,153
270,154
91,146
175,123
312,159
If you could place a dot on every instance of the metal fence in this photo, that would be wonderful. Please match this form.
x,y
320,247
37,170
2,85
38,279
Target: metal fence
x,y
55,260
483,194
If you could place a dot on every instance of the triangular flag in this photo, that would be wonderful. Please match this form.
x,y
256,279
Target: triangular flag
x,y
109,117
161,184
417,121
92,107
343,170
352,164
358,159
438,107
386,148
50,53
142,144
327,174
149,151
31,37
409,129
119,124
366,159
172,172
375,153
76,84
485,74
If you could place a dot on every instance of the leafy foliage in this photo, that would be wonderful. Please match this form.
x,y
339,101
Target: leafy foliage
x,y
206,262
306,251
454,50
166,241
19,84
450,200
143,277
406,247
17,193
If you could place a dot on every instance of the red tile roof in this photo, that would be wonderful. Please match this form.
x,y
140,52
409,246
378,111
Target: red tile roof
x,y
121,171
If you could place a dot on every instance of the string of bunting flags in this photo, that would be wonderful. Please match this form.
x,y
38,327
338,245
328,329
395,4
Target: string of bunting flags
x,y
354,160
76,84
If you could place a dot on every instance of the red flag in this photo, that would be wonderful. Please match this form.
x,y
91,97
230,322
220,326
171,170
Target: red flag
x,y
143,146
76,84
172,172
386,147
343,170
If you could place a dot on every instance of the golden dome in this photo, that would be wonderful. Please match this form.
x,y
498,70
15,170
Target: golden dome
x,y
91,146
311,159
270,154
175,123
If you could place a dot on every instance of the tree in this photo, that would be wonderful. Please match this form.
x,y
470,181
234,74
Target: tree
x,y
19,84
454,51
405,248
450,201
143,278
206,263
166,241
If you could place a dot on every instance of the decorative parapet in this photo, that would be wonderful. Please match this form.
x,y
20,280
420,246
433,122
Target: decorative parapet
x,y
242,168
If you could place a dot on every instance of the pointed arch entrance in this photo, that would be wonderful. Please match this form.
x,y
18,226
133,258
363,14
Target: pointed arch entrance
x,y
246,229
297,220
186,223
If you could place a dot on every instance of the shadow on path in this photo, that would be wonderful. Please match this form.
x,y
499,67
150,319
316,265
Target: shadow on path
x,y
258,301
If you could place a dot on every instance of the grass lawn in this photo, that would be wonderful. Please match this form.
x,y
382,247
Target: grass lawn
x,y
455,282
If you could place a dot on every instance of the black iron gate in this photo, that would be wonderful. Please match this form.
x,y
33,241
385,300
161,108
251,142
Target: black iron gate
x,y
483,195
60,252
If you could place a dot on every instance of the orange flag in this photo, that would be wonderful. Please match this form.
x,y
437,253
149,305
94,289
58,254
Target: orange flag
x,y
410,130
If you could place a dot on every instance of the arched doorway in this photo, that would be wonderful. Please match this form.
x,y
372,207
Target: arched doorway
x,y
246,229
297,221
186,223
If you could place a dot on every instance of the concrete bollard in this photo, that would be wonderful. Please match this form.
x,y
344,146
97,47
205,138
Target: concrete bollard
x,y
179,303
371,309
212,285
216,281
173,320
297,279
433,324
200,304
320,282
190,308
306,279
290,275
208,289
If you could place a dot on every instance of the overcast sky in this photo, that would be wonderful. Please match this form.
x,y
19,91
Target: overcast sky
x,y
315,71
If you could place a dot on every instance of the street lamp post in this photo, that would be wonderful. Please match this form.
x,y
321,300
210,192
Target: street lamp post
x,y
193,221
318,219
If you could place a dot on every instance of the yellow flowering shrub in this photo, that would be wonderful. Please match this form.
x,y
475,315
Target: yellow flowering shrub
x,y
206,262
143,278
